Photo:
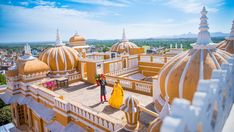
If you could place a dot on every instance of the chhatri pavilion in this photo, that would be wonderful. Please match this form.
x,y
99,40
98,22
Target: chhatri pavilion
x,y
179,90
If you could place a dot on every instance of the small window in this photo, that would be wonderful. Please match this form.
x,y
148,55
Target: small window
x,y
99,66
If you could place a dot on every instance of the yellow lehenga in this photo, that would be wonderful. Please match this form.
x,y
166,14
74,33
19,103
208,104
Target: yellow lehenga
x,y
116,99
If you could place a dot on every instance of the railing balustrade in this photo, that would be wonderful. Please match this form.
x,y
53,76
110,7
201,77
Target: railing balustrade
x,y
132,85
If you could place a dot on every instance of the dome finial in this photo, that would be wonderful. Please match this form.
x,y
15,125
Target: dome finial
x,y
204,35
58,41
124,35
76,33
231,36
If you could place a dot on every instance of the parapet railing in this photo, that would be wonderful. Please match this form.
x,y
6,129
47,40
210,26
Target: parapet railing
x,y
142,87
79,110
123,71
161,59
210,106
87,114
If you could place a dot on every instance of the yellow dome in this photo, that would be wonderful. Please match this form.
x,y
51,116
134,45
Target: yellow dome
x,y
227,45
77,40
123,46
31,66
180,76
60,58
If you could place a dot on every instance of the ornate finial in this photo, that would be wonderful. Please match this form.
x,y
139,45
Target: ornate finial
x,y
76,33
176,46
231,36
27,50
204,35
124,35
58,41
170,46
181,46
132,111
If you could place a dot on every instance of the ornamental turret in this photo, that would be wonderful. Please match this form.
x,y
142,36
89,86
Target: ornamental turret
x,y
203,37
228,43
179,77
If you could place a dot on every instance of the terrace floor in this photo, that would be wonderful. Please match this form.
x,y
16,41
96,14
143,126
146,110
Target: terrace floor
x,y
89,95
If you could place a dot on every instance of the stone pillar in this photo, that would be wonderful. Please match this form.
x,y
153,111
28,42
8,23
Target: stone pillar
x,y
132,113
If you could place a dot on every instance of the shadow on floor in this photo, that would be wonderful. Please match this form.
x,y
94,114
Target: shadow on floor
x,y
93,87
145,118
95,105
109,110
76,87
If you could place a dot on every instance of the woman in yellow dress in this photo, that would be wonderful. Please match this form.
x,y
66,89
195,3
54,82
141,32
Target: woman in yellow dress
x,y
116,99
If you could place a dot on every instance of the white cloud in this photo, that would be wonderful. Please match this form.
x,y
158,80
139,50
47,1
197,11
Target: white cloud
x,y
193,6
24,3
118,3
40,24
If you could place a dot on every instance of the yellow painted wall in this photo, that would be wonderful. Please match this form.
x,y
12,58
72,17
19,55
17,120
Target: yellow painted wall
x,y
39,121
91,72
134,51
150,69
61,119
106,68
106,57
87,128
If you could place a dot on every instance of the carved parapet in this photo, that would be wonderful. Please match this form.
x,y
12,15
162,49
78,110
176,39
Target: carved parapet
x,y
132,112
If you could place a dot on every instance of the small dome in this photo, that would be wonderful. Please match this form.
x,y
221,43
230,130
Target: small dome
x,y
32,66
60,58
123,45
77,40
228,43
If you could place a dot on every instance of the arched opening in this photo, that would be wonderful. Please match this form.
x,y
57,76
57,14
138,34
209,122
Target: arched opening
x,y
125,63
214,115
224,99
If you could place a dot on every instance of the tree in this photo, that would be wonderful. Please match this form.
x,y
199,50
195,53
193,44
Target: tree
x,y
2,79
5,115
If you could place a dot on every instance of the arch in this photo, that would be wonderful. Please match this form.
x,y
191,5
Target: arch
x,y
224,98
214,115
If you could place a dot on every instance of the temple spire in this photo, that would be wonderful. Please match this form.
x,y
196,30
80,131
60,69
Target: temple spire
x,y
58,41
27,50
76,33
204,35
124,35
231,36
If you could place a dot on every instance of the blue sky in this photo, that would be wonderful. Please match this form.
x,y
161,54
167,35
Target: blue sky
x,y
37,20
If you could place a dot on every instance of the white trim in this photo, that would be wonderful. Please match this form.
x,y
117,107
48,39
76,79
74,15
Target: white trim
x,y
65,59
48,57
214,59
168,64
60,112
221,57
56,59
201,72
170,72
181,82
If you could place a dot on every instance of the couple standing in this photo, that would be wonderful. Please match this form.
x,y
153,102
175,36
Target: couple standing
x,y
116,99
